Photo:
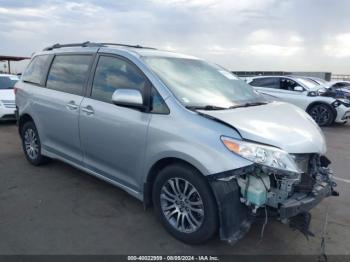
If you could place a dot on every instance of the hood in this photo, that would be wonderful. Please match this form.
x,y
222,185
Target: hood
x,y
278,124
7,94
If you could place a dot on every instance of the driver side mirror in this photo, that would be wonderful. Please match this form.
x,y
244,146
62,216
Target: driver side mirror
x,y
298,89
128,98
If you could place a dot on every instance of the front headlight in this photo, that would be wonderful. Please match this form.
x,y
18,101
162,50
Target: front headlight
x,y
261,154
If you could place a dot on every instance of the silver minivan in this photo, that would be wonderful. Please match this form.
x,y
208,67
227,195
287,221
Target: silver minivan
x,y
180,134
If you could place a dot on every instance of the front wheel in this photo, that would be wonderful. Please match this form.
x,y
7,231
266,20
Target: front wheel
x,y
185,204
322,114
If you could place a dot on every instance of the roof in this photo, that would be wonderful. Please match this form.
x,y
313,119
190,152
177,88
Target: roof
x,y
110,47
267,76
12,58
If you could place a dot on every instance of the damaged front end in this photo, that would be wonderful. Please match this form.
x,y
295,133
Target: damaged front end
x,y
242,192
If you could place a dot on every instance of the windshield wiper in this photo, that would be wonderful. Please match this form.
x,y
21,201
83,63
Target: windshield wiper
x,y
248,104
206,107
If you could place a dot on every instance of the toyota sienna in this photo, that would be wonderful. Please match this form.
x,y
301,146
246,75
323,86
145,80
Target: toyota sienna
x,y
180,134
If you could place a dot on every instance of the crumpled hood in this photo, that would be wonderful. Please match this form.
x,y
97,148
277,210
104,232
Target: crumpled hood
x,y
278,124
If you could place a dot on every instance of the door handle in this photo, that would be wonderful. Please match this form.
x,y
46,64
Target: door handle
x,y
88,110
72,106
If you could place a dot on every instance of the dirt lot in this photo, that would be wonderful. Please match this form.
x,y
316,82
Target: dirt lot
x,y
56,209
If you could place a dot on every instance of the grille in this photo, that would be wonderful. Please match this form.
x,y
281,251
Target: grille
x,y
9,103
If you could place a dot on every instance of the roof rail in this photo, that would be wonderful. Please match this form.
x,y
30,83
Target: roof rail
x,y
84,44
134,46
91,44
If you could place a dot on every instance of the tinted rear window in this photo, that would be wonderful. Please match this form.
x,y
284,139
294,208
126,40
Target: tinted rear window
x,y
36,70
68,73
8,82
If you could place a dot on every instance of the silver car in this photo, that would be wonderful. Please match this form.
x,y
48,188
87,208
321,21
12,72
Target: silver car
x,y
324,107
180,134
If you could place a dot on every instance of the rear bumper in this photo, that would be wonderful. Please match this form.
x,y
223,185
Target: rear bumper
x,y
302,202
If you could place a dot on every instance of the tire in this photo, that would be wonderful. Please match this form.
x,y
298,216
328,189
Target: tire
x,y
31,144
322,114
192,224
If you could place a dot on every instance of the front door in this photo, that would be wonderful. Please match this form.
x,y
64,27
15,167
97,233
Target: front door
x,y
113,137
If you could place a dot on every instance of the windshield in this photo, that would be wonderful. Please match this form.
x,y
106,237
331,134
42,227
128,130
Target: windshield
x,y
308,83
8,82
320,81
197,83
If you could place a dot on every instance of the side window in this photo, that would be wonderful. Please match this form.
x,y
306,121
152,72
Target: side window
x,y
36,70
288,84
68,73
158,105
269,82
113,73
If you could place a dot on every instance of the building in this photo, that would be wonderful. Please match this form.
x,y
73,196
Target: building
x,y
323,75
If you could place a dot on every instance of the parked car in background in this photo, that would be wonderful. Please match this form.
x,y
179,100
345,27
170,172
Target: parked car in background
x,y
339,84
7,97
339,88
305,93
336,88
176,132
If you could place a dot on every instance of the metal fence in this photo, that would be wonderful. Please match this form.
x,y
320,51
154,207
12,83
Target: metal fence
x,y
341,77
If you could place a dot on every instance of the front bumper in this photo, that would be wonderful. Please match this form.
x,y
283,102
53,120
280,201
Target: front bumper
x,y
236,216
302,202
7,113
343,113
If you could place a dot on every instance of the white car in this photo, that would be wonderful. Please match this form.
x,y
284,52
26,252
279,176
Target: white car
x,y
340,87
7,97
335,88
305,94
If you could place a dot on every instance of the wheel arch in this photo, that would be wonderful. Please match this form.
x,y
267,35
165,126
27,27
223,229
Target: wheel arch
x,y
153,172
23,119
322,103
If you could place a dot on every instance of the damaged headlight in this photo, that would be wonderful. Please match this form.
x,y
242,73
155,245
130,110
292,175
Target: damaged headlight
x,y
261,154
339,102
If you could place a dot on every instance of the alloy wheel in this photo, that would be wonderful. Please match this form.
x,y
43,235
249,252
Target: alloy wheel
x,y
320,114
182,205
31,143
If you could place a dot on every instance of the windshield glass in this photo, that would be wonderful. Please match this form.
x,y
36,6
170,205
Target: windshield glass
x,y
197,83
8,82
308,83
320,81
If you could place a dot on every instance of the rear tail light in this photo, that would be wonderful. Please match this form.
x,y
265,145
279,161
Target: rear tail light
x,y
15,90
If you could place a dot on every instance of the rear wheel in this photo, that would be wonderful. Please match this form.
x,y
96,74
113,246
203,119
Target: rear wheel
x,y
185,204
322,114
31,144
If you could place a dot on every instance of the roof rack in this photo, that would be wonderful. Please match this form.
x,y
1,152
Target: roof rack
x,y
134,46
91,44
84,44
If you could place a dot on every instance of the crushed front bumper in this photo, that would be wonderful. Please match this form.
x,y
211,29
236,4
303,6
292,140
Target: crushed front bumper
x,y
236,216
302,202
343,113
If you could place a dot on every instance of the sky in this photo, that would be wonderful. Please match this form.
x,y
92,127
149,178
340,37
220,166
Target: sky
x,y
290,35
